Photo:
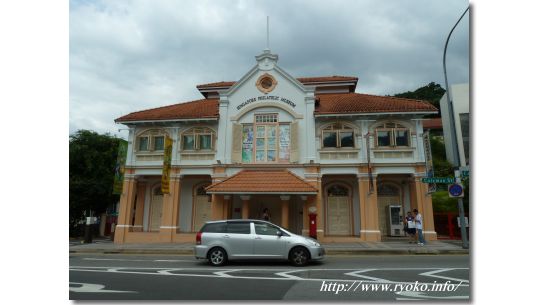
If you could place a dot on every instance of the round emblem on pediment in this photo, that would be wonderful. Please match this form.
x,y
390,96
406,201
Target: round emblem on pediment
x,y
266,83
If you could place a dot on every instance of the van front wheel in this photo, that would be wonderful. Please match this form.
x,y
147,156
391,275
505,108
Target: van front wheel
x,y
299,256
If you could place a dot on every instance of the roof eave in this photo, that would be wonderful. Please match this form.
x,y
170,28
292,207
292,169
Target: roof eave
x,y
372,113
166,121
259,193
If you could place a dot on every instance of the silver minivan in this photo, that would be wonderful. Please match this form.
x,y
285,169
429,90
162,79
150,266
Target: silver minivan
x,y
242,239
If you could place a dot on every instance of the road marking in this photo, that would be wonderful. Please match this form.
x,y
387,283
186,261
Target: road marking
x,y
286,274
224,274
431,274
94,288
137,260
418,294
375,279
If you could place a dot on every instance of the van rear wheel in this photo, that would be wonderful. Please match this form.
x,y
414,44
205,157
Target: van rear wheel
x,y
217,256
299,256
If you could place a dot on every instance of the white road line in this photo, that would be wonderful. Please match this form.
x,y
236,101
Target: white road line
x,y
375,279
227,276
286,274
137,260
225,273
418,294
281,269
431,274
94,288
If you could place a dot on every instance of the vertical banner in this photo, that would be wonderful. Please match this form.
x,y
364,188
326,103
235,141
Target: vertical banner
x,y
119,169
432,187
167,163
370,176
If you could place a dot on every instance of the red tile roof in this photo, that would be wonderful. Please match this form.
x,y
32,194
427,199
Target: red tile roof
x,y
304,80
262,182
204,108
435,123
365,103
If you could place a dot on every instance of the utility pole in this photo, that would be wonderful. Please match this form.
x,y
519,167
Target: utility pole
x,y
454,140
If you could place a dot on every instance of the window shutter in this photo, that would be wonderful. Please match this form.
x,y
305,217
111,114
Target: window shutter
x,y
294,145
237,135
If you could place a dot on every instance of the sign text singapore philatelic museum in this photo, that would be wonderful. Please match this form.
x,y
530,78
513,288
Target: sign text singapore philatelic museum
x,y
266,98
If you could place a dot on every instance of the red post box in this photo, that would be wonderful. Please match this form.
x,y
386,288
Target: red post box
x,y
313,225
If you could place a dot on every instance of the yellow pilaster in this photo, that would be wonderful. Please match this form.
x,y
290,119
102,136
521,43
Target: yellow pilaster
x,y
139,211
170,212
424,206
245,207
368,208
126,208
227,206
285,211
217,207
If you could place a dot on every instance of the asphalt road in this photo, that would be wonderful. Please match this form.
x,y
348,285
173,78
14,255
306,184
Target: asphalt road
x,y
128,277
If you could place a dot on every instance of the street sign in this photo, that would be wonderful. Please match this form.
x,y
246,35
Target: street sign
x,y
464,171
455,190
441,180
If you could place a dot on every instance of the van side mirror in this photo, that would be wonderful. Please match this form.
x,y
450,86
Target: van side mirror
x,y
279,233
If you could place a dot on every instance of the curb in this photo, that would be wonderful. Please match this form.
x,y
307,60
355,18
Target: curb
x,y
329,252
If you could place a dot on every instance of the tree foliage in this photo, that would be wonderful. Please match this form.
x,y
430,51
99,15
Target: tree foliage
x,y
92,157
432,93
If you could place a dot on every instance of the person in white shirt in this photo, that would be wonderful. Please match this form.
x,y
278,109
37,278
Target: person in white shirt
x,y
418,225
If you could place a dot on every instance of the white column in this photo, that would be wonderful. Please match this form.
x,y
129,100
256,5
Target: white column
x,y
223,153
130,146
310,126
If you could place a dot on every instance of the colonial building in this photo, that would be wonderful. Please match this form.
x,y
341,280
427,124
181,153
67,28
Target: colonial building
x,y
296,146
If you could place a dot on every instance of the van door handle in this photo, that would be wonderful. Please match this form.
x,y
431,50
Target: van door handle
x,y
226,236
257,237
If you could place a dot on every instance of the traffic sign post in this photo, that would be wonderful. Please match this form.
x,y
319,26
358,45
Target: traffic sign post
x,y
455,190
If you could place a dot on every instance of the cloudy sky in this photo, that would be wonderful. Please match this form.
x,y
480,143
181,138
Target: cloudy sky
x,y
126,56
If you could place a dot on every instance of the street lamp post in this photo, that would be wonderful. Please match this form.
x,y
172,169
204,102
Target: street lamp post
x,y
452,131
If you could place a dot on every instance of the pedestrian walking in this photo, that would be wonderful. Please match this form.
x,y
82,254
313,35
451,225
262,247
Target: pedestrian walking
x,y
418,225
410,227
266,216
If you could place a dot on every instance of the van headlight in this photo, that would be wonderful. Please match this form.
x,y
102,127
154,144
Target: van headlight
x,y
313,242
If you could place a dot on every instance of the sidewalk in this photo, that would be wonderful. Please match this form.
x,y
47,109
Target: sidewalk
x,y
391,247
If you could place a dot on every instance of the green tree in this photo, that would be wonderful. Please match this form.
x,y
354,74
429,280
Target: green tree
x,y
92,158
432,93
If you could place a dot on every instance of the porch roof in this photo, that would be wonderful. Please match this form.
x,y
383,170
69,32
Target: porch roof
x,y
263,182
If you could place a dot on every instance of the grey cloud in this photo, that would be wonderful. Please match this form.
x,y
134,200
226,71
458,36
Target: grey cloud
x,y
132,55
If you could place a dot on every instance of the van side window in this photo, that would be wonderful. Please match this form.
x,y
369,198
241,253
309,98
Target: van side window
x,y
215,228
265,229
238,227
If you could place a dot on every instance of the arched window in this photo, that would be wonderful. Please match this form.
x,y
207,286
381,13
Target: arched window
x,y
387,189
392,135
198,138
337,190
338,135
150,140
158,191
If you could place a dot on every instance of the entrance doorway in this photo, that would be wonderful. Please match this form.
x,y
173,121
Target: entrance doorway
x,y
156,209
202,207
388,194
338,210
